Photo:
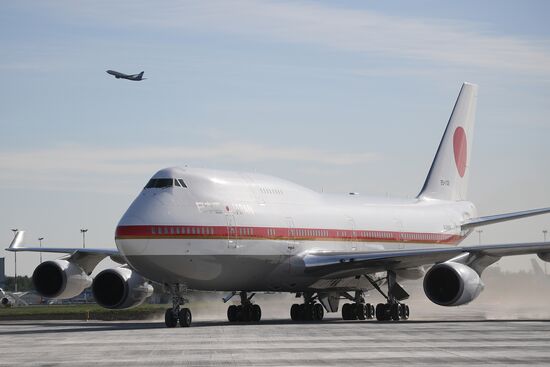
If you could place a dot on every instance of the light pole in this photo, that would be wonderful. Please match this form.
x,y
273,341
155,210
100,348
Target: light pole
x,y
479,232
15,267
83,231
544,233
40,240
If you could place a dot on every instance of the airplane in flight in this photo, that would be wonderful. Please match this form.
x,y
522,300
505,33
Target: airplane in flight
x,y
243,233
134,77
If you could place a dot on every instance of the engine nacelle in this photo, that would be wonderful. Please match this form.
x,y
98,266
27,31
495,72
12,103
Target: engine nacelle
x,y
60,279
120,288
452,284
6,302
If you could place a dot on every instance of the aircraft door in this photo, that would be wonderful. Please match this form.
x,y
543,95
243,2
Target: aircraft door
x,y
231,231
399,229
291,242
353,235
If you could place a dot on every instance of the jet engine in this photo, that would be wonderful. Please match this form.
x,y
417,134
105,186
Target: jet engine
x,y
452,284
120,288
5,301
60,279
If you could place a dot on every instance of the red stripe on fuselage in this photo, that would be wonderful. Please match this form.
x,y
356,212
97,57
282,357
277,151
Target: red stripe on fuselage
x,y
281,233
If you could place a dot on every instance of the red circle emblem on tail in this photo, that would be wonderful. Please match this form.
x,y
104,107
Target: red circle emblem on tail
x,y
461,150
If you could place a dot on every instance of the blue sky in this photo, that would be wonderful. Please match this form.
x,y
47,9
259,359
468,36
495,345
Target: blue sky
x,y
352,96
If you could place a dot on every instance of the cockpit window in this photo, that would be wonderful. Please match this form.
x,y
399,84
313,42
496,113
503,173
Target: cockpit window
x,y
161,183
158,183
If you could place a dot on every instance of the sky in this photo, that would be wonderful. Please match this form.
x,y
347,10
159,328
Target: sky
x,y
337,96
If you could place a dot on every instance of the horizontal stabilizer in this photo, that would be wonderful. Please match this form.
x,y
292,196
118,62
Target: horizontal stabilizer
x,y
491,219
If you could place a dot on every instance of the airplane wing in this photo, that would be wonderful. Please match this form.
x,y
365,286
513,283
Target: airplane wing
x,y
88,258
340,264
490,219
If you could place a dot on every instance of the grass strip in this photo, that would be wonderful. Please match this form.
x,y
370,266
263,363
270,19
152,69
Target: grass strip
x,y
81,312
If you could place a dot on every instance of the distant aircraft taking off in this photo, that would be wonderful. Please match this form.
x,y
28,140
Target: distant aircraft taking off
x,y
134,77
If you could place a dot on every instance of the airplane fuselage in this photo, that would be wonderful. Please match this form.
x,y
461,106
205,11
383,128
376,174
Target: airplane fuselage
x,y
221,230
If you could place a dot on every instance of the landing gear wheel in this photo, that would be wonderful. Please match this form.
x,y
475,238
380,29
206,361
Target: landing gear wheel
x,y
360,311
295,312
256,313
302,312
381,312
369,310
185,317
232,313
318,312
405,313
395,311
170,318
346,312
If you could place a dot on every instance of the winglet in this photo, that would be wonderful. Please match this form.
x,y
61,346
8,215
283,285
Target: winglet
x,y
16,242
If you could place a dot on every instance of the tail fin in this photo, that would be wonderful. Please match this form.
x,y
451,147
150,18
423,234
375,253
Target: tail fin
x,y
448,175
141,74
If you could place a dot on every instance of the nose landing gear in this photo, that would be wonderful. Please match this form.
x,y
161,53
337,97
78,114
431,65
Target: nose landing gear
x,y
176,313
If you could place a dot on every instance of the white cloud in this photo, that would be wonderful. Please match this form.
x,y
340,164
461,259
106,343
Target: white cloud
x,y
426,40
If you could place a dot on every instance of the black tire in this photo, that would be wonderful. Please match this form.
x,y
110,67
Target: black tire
x,y
185,317
170,319
241,314
360,311
345,312
381,312
406,312
302,312
395,311
256,313
295,312
309,313
318,311
369,311
232,313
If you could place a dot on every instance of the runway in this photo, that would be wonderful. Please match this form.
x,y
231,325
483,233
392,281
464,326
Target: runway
x,y
276,342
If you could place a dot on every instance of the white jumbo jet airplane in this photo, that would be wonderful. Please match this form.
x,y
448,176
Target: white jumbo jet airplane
x,y
244,233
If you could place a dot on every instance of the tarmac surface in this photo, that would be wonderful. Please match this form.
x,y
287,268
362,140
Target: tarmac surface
x,y
276,342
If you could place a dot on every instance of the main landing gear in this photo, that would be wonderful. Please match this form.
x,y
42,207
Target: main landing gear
x,y
358,310
246,311
176,313
310,310
393,309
